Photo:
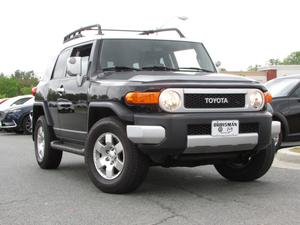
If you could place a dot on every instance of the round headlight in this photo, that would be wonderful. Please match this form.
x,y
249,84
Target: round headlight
x,y
169,100
256,99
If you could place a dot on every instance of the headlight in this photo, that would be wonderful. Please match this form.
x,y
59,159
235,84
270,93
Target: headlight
x,y
169,100
256,99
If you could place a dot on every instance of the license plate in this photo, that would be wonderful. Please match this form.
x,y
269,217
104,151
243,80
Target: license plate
x,y
224,127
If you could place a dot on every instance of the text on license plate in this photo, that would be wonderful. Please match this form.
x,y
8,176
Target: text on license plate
x,y
224,127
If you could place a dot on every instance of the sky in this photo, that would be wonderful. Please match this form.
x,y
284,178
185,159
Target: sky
x,y
237,33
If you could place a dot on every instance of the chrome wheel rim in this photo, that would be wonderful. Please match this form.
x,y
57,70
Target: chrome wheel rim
x,y
108,155
40,143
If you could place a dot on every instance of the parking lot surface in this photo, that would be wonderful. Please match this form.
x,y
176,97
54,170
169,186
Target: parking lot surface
x,y
30,195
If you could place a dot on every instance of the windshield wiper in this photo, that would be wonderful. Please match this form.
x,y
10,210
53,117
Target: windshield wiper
x,y
158,68
195,69
120,68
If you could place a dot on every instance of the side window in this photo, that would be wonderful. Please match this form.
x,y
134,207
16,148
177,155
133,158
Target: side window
x,y
297,93
61,65
84,52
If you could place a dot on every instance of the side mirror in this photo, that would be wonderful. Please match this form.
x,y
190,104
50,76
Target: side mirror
x,y
218,64
74,66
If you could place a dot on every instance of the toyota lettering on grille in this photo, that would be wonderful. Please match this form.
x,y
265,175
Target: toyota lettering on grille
x,y
216,100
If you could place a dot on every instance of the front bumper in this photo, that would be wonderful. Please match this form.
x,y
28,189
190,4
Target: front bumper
x,y
168,133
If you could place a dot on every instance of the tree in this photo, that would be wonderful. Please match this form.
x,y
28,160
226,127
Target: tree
x,y
254,68
19,83
292,59
274,62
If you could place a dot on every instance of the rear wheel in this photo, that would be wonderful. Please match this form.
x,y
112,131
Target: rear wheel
x,y
46,157
113,162
250,168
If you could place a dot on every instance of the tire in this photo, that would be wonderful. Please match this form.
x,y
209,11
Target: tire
x,y
26,125
251,170
113,163
46,157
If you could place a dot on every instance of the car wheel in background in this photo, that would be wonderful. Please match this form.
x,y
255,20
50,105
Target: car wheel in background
x,y
26,125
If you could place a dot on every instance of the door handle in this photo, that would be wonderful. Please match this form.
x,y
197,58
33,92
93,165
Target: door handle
x,y
60,90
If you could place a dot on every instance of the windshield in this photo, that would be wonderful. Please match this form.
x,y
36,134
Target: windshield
x,y
281,87
134,54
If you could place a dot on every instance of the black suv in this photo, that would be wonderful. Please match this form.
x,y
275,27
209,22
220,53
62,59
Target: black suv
x,y
127,102
286,106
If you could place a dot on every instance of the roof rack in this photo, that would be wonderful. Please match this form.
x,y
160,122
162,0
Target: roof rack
x,y
147,32
77,33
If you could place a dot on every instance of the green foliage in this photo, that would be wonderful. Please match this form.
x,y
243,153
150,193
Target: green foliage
x,y
253,68
292,59
274,62
19,83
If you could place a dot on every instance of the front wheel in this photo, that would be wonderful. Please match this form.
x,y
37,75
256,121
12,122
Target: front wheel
x,y
248,169
113,162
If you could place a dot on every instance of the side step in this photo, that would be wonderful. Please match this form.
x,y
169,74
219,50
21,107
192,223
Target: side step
x,y
67,147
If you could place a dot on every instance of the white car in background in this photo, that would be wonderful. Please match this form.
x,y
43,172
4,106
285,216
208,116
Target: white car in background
x,y
12,102
15,101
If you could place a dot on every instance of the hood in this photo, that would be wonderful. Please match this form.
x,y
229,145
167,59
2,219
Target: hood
x,y
212,77
171,76
24,107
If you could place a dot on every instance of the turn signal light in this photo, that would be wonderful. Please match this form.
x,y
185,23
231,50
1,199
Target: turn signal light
x,y
268,97
142,98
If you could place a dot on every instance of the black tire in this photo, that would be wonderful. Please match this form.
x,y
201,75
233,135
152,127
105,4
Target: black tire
x,y
51,157
27,130
255,168
135,165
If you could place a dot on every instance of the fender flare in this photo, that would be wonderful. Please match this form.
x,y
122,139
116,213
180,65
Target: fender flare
x,y
46,112
122,112
283,120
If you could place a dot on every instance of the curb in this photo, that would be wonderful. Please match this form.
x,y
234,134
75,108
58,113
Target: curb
x,y
286,155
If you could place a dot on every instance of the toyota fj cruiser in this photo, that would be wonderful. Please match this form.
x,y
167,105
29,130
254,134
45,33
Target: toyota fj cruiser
x,y
133,100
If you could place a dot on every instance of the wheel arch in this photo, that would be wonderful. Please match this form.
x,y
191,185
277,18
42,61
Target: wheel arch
x,y
39,109
99,110
284,123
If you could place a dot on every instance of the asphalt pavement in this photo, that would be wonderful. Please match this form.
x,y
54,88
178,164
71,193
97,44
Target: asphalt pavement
x,y
30,195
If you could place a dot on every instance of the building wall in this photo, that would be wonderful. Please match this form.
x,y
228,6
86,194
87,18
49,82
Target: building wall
x,y
286,72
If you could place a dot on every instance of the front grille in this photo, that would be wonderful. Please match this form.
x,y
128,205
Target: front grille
x,y
193,101
205,129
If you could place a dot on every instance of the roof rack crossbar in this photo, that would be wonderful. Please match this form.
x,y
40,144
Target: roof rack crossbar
x,y
77,33
147,32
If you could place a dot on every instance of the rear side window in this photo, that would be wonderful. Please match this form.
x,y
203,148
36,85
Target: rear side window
x,y
61,65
